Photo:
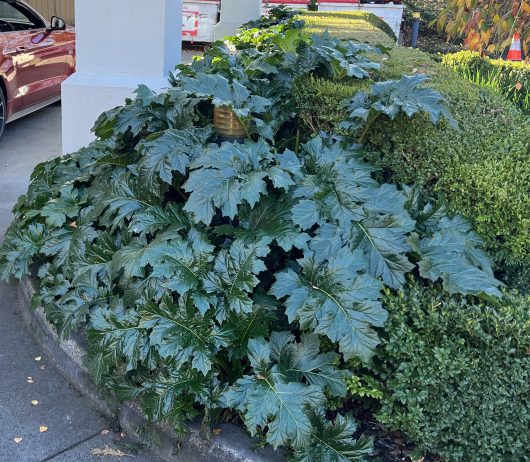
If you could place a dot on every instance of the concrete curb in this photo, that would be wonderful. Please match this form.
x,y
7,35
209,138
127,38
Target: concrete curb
x,y
231,445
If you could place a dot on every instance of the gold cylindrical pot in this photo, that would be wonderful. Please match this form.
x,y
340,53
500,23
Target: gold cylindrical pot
x,y
227,124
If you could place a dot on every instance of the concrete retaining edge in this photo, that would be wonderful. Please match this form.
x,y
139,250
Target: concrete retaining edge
x,y
68,356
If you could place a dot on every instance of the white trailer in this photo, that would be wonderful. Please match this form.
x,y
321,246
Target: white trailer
x,y
199,19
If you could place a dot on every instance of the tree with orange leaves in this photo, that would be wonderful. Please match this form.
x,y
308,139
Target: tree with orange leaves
x,y
487,26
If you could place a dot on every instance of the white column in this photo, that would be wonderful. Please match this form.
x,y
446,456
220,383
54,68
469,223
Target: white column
x,y
119,44
234,13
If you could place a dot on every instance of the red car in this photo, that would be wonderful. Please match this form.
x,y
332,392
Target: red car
x,y
35,58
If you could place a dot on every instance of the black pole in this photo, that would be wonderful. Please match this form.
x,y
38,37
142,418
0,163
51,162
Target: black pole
x,y
415,29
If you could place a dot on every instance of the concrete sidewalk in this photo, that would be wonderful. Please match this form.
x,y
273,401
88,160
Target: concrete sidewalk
x,y
74,431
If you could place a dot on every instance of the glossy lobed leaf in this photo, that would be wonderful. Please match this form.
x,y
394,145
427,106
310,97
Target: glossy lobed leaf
x,y
334,299
229,175
334,442
271,401
452,253
235,275
164,154
179,332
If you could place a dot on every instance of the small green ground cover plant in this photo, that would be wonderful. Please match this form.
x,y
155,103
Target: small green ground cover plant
x,y
219,277
510,78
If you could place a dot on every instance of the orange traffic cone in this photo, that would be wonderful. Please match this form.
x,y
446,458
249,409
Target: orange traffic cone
x,y
514,54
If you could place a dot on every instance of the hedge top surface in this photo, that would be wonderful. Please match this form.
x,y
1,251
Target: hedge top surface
x,y
358,25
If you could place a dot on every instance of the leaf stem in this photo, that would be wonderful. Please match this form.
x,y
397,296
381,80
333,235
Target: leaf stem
x,y
372,117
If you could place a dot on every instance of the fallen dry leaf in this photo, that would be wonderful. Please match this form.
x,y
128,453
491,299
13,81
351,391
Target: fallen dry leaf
x,y
17,440
518,86
108,451
34,402
104,432
217,431
38,358
43,428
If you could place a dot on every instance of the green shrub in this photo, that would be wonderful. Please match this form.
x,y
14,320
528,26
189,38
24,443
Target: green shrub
x,y
487,158
482,168
512,79
358,25
458,374
312,93
235,276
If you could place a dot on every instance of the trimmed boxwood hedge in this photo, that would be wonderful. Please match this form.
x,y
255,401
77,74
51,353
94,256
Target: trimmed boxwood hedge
x,y
358,25
482,168
511,78
457,374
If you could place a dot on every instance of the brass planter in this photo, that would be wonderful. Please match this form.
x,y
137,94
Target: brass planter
x,y
226,124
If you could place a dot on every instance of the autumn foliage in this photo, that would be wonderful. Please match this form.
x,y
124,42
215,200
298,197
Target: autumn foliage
x,y
487,26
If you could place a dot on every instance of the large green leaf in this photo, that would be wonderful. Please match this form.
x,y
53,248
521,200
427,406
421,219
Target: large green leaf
x,y
170,398
338,193
394,96
333,187
332,298
382,235
64,244
20,248
268,401
168,152
117,332
180,263
224,93
179,332
303,360
334,442
93,261
344,59
270,220
118,197
156,217
66,205
254,324
229,175
235,275
452,253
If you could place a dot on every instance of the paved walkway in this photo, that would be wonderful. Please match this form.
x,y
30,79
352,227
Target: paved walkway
x,y
74,431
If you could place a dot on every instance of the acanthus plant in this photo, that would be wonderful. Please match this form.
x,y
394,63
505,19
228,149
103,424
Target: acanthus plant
x,y
235,275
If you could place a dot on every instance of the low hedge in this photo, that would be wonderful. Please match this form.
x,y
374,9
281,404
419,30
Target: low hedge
x,y
457,374
510,78
482,168
311,93
358,25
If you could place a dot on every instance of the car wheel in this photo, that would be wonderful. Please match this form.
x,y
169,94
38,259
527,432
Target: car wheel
x,y
3,113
